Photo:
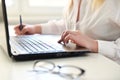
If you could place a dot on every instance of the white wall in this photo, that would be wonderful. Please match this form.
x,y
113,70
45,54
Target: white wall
x,y
34,13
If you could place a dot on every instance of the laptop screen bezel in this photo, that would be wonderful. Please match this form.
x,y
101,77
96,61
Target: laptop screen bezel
x,y
4,11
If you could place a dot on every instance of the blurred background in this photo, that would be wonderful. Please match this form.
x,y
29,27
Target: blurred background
x,y
34,11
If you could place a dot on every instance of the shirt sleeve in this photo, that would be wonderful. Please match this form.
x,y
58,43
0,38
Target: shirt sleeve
x,y
53,27
110,49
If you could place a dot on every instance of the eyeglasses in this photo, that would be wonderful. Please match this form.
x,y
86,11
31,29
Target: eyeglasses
x,y
66,71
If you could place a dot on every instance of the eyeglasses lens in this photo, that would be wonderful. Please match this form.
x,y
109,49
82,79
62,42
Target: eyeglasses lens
x,y
70,72
44,66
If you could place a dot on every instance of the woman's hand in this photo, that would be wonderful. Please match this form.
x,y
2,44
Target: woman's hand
x,y
27,29
80,39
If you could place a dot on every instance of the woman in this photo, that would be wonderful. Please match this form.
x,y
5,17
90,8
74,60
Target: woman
x,y
97,26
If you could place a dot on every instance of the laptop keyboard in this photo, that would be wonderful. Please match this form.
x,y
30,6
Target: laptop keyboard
x,y
33,45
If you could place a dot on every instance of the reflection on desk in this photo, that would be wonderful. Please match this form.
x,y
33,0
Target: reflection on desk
x,y
97,67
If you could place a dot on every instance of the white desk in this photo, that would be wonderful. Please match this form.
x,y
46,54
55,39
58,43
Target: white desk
x,y
97,67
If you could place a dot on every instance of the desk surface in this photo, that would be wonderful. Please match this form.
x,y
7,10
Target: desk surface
x,y
97,67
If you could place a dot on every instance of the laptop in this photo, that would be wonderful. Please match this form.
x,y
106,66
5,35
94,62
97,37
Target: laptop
x,y
32,47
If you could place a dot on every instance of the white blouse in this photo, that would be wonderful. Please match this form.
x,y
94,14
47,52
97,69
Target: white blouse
x,y
102,24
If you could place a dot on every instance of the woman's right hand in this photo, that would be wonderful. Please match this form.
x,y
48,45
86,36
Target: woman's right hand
x,y
27,29
79,39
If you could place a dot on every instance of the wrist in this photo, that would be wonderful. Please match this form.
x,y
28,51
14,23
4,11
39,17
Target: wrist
x,y
38,29
92,45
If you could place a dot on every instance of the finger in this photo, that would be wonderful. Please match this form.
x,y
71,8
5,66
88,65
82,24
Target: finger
x,y
24,30
68,38
64,34
17,26
17,31
61,39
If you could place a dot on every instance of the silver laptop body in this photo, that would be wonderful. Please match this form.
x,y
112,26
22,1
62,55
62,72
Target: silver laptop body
x,y
31,47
